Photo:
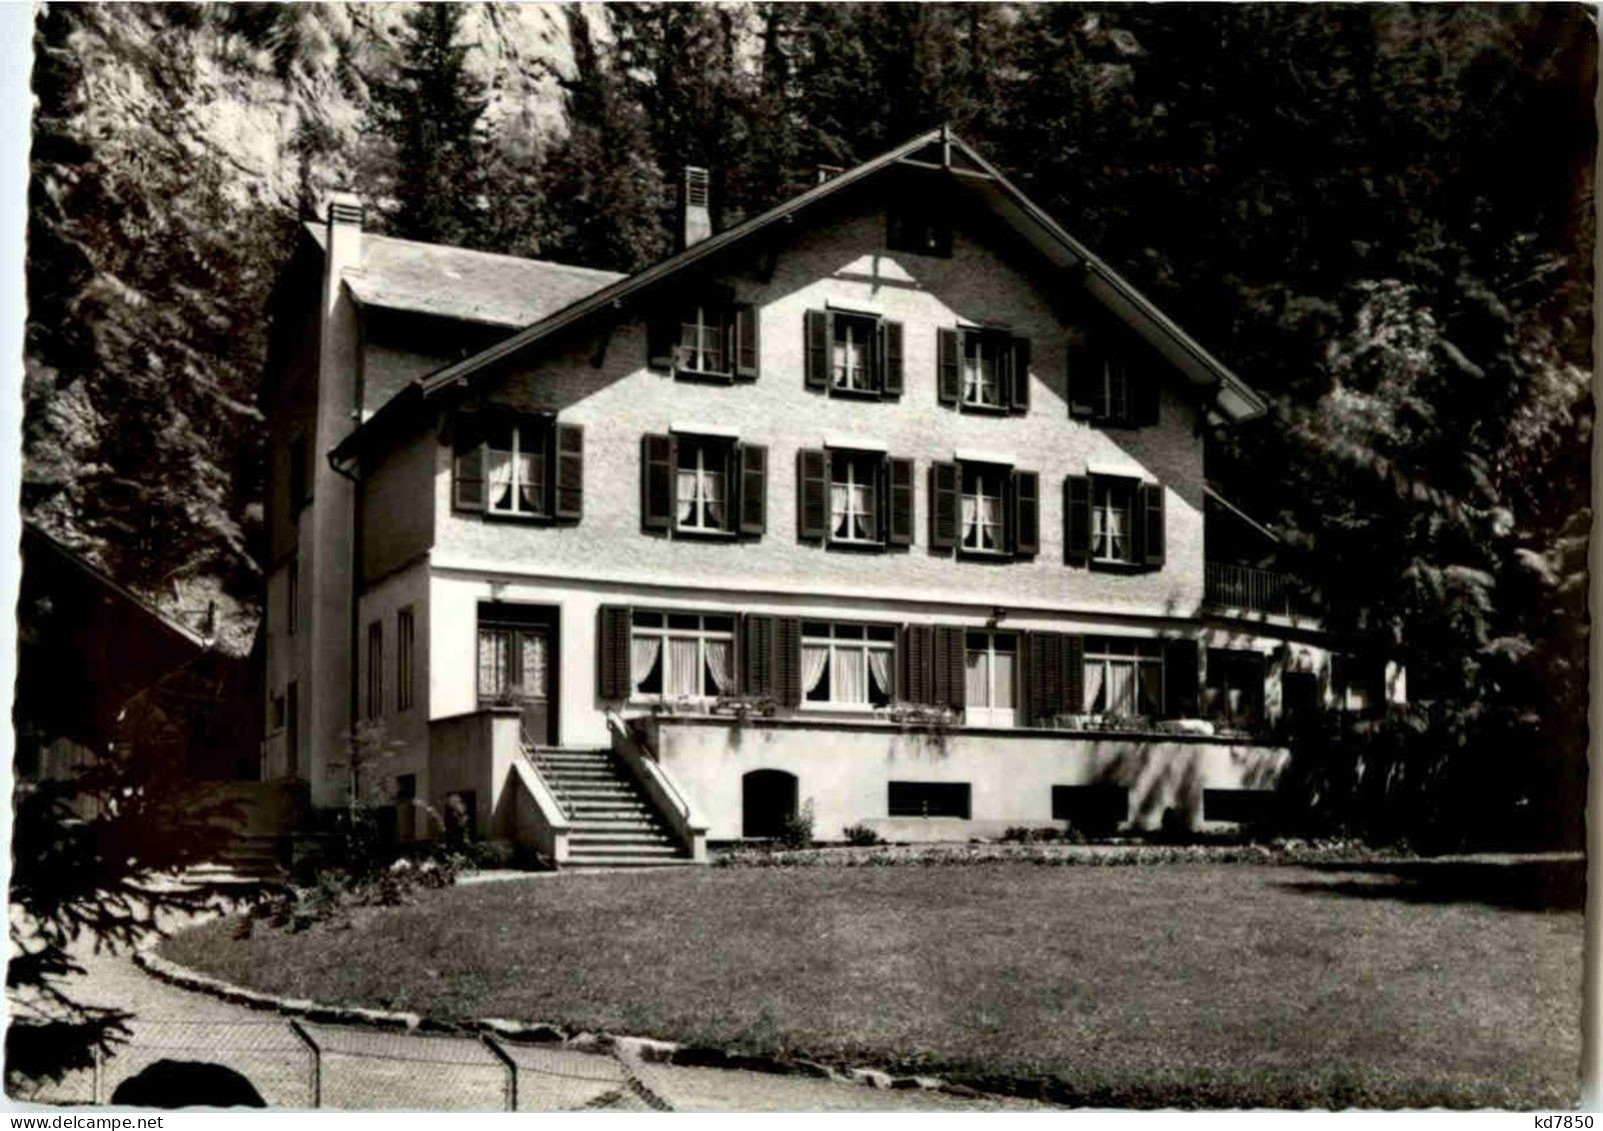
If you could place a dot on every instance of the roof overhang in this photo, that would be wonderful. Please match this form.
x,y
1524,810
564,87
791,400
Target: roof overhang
x,y
1228,398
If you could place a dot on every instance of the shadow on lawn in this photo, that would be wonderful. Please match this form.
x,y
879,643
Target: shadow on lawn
x,y
1519,885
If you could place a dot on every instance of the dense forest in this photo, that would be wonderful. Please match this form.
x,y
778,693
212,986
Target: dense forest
x,y
1379,215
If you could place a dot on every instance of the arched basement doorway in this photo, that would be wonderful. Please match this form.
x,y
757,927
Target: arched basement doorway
x,y
768,801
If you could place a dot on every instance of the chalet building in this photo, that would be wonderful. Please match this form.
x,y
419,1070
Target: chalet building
x,y
887,506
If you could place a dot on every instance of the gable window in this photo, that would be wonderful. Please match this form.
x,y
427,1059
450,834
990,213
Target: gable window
x,y
1106,389
850,353
918,226
511,465
854,498
695,484
1113,521
990,690
984,509
1123,677
682,655
983,370
848,664
710,337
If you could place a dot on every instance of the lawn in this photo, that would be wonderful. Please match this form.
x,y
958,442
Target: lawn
x,y
1184,985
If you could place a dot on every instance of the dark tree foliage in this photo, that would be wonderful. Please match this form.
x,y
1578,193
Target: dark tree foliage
x,y
431,112
95,861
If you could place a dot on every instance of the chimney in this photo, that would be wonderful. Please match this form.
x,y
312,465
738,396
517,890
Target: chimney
x,y
696,197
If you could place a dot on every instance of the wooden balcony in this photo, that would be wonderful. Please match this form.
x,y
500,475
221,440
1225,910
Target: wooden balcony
x,y
1239,588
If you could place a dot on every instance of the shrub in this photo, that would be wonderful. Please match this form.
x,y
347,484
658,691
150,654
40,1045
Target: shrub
x,y
861,835
798,829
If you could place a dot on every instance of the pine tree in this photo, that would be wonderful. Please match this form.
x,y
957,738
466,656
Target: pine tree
x,y
431,114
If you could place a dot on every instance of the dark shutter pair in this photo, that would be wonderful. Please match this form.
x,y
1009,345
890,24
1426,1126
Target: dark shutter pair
x,y
564,476
1054,676
1147,515
819,341
949,370
771,657
1088,392
741,343
934,666
745,492
1022,506
893,487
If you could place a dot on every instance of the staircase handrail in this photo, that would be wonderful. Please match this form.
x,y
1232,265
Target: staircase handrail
x,y
629,734
531,754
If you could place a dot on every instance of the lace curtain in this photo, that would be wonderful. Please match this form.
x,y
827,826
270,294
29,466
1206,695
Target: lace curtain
x,y
500,476
879,669
978,689
814,660
643,654
851,676
1094,670
684,663
720,666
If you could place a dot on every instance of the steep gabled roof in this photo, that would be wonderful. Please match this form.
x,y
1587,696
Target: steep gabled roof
x,y
937,150
472,286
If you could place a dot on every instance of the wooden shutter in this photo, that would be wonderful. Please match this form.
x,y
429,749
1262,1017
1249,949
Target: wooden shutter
x,y
787,661
1151,523
1026,513
891,372
1180,678
1046,677
746,351
817,349
614,679
944,483
1077,518
1073,653
753,460
1143,394
569,479
1083,380
918,663
1019,386
657,482
951,668
467,466
812,503
757,654
948,384
899,531
662,335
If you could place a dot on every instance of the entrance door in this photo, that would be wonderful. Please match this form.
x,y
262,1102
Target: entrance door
x,y
990,695
516,668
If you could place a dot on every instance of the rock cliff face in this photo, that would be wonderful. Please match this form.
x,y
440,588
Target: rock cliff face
x,y
174,148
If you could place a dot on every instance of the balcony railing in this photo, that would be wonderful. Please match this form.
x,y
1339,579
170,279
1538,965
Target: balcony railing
x,y
1250,589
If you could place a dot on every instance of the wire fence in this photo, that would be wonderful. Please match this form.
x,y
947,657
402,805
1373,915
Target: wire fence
x,y
298,1064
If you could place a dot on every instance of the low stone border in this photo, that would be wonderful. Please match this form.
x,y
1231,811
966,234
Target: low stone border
x,y
645,1049
1059,854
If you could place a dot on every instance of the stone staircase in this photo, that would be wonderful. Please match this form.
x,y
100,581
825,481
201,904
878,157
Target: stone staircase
x,y
613,824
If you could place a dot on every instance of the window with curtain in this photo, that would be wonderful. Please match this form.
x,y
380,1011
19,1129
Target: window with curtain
x,y
1115,389
983,505
991,666
987,368
683,655
848,664
1112,519
852,353
514,468
1123,677
853,497
703,335
703,486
